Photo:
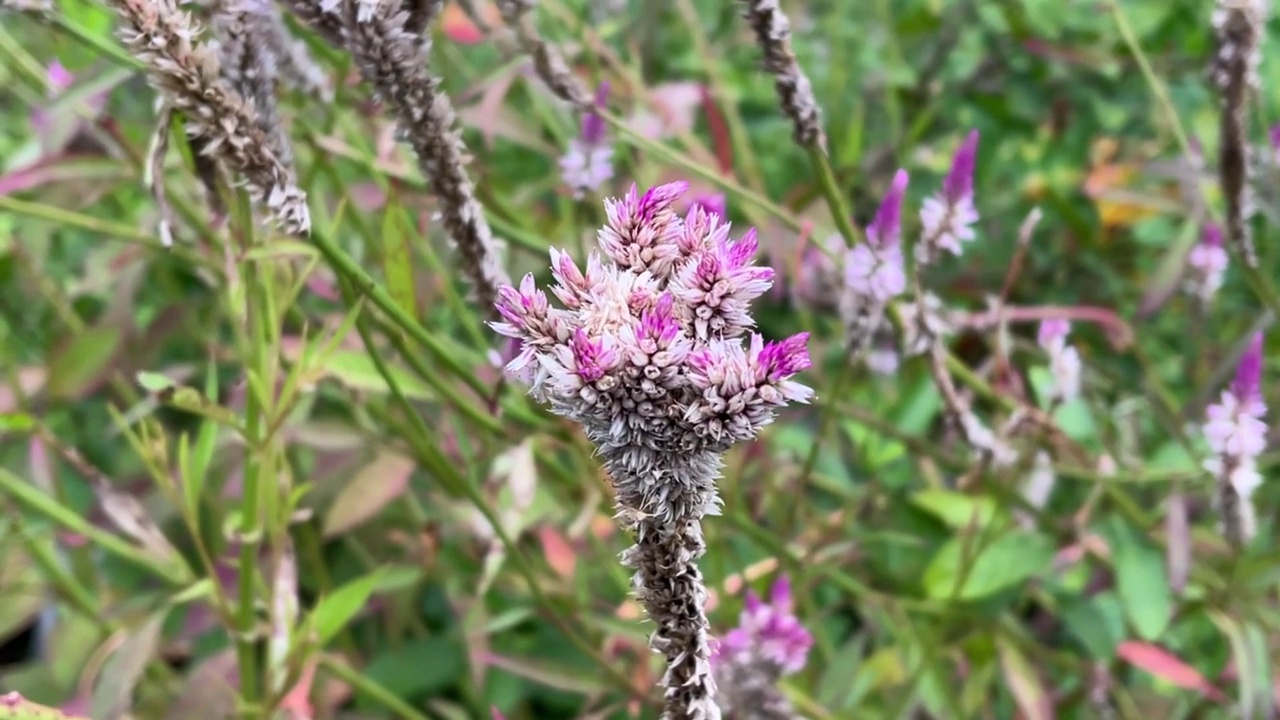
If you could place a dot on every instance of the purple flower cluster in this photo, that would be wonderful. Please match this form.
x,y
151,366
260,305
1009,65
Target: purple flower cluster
x,y
875,274
647,351
768,643
647,354
1237,435
768,632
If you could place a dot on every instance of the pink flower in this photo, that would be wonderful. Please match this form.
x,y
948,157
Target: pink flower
x,y
646,352
1235,430
642,232
588,164
947,218
768,632
1065,367
718,289
1207,264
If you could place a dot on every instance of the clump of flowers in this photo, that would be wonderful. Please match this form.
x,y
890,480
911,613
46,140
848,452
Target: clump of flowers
x,y
1207,264
1237,435
1064,360
588,164
769,643
947,218
650,354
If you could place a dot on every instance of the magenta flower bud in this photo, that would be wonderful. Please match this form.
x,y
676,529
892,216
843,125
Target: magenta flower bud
x,y
593,126
959,182
886,229
714,203
594,358
785,358
1248,381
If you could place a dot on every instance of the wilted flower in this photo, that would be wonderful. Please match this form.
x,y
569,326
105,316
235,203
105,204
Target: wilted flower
x,y
648,355
1237,435
947,218
768,643
1064,360
588,164
1207,264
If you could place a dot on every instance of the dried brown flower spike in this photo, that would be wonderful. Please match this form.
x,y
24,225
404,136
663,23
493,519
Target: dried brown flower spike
x,y
190,78
773,33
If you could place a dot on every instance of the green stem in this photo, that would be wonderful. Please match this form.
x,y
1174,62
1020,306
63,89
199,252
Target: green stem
x,y
369,688
365,285
831,191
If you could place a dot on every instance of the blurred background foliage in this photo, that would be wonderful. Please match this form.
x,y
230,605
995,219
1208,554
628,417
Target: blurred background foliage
x,y
927,594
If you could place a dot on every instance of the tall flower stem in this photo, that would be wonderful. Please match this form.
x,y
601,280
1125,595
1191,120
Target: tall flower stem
x,y
1258,282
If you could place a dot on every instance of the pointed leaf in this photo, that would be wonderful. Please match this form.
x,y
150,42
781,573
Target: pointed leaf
x,y
335,611
1166,666
370,490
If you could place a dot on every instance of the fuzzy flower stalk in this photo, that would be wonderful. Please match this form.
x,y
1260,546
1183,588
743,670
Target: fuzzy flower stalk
x,y
773,33
1237,435
1240,26
768,644
652,353
874,271
394,58
588,164
947,218
227,126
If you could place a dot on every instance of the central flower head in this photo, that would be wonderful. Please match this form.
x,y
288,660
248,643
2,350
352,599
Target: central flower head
x,y
649,348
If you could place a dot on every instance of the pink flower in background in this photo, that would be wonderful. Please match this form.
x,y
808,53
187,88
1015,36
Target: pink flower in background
x,y
1207,264
1236,433
947,218
769,643
768,632
1064,360
874,269
588,164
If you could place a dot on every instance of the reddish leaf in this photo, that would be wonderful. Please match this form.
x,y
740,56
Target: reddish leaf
x,y
459,28
560,555
1167,666
719,130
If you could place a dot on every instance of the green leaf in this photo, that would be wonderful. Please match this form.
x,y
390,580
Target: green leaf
x,y
956,509
16,422
155,382
1011,559
398,261
356,371
420,667
1142,583
1097,622
336,610
81,361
